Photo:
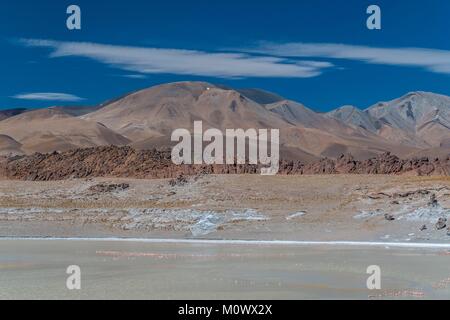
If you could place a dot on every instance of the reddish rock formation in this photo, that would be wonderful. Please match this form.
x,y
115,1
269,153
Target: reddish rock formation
x,y
127,162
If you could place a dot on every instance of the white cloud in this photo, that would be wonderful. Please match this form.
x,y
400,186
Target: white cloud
x,y
134,76
183,62
433,60
48,96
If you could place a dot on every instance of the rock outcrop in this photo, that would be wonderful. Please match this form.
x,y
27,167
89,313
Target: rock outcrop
x,y
113,161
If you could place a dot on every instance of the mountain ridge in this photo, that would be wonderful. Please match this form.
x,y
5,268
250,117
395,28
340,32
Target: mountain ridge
x,y
145,119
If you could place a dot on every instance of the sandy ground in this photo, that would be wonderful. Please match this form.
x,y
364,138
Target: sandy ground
x,y
329,207
133,270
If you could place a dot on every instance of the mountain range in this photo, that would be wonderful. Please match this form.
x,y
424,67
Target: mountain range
x,y
417,123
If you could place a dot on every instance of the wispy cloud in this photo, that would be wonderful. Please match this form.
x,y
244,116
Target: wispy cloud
x,y
134,76
183,62
48,96
433,60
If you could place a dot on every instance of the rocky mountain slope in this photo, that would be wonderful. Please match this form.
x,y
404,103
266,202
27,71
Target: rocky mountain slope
x,y
47,130
419,119
9,146
355,117
148,117
159,110
7,113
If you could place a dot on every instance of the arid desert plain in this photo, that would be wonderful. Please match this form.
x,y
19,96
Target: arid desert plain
x,y
111,223
317,207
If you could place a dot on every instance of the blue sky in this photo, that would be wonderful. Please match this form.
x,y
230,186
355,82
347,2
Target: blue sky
x,y
316,52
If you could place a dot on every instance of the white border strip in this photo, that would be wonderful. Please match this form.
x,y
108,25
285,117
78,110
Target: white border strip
x,y
247,242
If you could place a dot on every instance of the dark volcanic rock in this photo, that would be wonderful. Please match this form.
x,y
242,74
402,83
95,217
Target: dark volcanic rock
x,y
179,181
105,187
441,223
116,161
433,201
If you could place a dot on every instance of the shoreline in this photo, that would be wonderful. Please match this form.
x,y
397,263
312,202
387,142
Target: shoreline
x,y
412,245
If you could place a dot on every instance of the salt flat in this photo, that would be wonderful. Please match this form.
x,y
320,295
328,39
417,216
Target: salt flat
x,y
32,269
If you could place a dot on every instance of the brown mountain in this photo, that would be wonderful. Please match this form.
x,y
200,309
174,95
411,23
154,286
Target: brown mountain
x,y
148,117
157,111
9,146
145,119
7,113
52,129
327,137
